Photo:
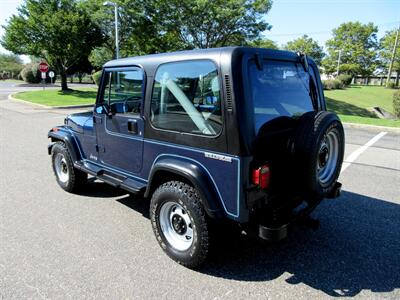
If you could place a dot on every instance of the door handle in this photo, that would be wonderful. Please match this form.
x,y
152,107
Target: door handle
x,y
132,127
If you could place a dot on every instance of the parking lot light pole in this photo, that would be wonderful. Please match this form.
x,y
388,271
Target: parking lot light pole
x,y
109,3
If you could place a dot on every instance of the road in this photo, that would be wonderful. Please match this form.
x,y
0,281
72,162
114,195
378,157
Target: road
x,y
100,244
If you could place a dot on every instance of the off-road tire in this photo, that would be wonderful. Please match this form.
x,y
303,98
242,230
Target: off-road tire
x,y
308,136
76,178
189,199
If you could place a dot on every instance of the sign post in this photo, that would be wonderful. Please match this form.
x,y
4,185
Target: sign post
x,y
51,75
43,67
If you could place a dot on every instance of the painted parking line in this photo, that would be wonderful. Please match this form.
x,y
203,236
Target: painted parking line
x,y
355,154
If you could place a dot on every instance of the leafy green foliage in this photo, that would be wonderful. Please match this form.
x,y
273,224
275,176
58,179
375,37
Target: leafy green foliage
x,y
155,26
386,46
214,23
60,31
332,84
96,77
358,45
30,73
10,64
308,46
100,56
391,85
396,104
264,43
345,79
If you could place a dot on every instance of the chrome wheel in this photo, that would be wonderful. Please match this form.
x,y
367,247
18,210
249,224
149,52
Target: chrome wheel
x,y
176,226
328,154
60,164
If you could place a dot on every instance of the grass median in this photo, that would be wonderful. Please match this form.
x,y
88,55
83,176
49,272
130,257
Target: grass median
x,y
55,97
353,104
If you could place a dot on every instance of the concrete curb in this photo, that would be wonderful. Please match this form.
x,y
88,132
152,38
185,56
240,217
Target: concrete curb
x,y
12,98
372,127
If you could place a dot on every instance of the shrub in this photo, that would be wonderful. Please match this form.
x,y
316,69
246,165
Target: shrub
x,y
332,84
345,79
327,84
391,85
96,77
30,73
396,104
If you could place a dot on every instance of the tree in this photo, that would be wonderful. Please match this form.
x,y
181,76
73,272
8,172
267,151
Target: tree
x,y
215,23
60,31
264,43
99,56
10,64
154,26
308,46
358,47
386,46
141,29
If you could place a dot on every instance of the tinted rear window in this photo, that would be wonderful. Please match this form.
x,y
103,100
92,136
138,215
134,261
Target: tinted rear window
x,y
279,89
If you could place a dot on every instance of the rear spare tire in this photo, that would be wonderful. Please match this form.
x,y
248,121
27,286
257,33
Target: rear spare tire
x,y
318,149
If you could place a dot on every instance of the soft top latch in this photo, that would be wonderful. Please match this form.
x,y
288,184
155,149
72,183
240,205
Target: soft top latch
x,y
303,60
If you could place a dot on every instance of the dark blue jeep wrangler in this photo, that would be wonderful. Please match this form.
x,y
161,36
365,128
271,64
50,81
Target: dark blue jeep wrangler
x,y
238,134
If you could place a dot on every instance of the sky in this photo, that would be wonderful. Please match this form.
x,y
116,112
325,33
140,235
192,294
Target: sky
x,y
293,18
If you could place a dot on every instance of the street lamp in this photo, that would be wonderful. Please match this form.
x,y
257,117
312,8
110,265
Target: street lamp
x,y
109,3
338,62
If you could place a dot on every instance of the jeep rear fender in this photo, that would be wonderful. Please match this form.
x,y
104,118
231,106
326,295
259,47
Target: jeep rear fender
x,y
193,172
65,135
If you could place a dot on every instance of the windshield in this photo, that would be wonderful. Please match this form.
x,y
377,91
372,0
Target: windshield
x,y
281,88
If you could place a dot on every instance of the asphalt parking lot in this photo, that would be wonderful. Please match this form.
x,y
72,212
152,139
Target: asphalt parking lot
x,y
100,244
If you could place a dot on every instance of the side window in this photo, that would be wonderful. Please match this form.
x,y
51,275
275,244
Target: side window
x,y
123,90
186,98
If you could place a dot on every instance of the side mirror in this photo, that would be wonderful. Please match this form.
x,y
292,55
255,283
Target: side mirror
x,y
101,109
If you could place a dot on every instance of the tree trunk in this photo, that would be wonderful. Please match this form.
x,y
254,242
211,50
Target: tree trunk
x,y
64,85
397,78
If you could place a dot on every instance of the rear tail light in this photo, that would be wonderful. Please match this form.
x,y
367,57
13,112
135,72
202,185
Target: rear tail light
x,y
261,176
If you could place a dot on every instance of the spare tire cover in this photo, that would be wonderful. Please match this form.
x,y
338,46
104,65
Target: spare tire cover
x,y
318,149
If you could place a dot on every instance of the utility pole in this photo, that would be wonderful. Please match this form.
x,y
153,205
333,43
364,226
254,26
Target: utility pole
x,y
393,55
338,62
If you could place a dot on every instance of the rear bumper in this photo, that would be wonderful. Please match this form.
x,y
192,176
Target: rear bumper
x,y
301,216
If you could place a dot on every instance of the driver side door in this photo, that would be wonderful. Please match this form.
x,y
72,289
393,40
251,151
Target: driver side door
x,y
119,120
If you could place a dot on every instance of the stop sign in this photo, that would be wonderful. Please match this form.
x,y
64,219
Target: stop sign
x,y
43,67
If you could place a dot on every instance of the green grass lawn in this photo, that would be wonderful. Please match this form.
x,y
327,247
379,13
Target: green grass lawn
x,y
351,104
13,81
56,97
